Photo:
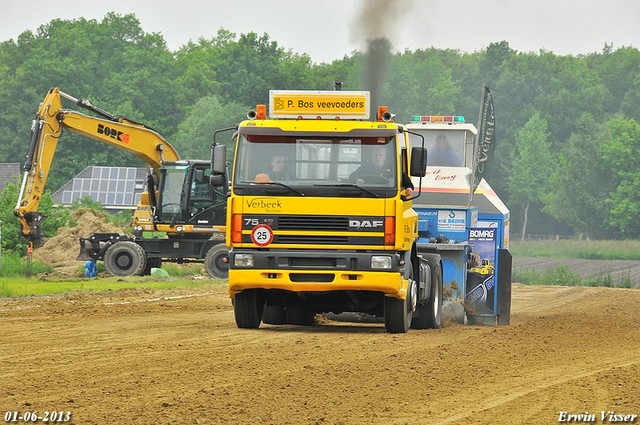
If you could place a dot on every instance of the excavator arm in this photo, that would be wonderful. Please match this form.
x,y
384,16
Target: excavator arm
x,y
50,122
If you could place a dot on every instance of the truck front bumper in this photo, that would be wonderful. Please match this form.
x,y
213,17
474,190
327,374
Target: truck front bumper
x,y
318,271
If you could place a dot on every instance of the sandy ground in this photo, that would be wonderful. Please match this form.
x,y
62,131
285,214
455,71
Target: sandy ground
x,y
176,356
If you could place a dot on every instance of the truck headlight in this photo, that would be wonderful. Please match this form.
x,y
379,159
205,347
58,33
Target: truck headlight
x,y
380,261
243,260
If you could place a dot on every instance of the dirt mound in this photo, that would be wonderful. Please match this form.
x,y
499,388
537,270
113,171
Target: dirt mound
x,y
61,251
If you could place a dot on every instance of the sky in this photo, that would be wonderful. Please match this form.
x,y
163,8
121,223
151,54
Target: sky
x,y
327,30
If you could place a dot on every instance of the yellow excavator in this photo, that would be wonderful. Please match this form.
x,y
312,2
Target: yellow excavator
x,y
184,200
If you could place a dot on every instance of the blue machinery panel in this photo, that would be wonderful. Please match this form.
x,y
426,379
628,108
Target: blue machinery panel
x,y
480,295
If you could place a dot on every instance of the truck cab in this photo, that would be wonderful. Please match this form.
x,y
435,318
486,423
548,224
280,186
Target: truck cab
x,y
318,218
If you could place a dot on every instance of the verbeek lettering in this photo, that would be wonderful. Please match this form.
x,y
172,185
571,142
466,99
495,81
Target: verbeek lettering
x,y
263,203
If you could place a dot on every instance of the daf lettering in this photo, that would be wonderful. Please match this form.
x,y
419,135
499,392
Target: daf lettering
x,y
364,224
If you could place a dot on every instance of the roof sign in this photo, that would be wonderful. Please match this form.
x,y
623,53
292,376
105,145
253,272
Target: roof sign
x,y
319,104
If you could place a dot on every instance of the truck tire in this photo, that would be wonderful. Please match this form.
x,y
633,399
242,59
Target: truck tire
x,y
299,316
274,315
398,313
125,258
248,306
429,313
217,261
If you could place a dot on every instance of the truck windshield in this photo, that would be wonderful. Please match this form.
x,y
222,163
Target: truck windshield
x,y
444,148
317,162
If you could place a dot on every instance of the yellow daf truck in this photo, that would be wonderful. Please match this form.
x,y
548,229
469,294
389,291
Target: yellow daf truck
x,y
320,217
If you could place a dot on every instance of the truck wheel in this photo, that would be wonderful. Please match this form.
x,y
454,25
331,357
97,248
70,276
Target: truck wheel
x,y
247,308
429,312
217,261
398,313
299,316
125,258
274,315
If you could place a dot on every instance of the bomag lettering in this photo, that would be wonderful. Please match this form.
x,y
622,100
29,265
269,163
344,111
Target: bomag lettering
x,y
489,233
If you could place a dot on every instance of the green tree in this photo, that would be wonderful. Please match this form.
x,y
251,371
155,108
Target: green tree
x,y
345,71
582,181
421,84
245,68
491,61
617,69
630,105
12,239
112,62
532,164
619,154
195,134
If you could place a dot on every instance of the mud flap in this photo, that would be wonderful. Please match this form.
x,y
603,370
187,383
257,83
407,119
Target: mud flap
x,y
454,269
488,295
504,287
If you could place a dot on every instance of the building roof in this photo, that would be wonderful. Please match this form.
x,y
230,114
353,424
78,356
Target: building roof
x,y
8,172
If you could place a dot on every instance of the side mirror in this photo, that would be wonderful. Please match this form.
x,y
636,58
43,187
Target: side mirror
x,y
418,167
217,180
218,159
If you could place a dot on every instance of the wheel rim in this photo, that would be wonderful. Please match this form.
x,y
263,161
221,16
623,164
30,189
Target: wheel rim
x,y
123,261
436,304
220,264
413,293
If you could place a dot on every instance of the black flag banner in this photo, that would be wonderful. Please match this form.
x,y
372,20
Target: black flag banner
x,y
486,137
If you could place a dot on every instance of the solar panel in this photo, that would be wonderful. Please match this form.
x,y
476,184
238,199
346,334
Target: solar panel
x,y
113,187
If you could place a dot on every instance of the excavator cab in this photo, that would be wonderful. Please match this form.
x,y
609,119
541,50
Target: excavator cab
x,y
186,196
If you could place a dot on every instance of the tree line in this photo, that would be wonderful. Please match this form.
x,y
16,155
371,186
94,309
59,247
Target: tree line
x,y
567,133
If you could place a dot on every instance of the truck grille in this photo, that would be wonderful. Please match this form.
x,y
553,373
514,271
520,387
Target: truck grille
x,y
302,222
318,230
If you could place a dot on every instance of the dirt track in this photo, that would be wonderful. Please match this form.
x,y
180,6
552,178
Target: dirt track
x,y
177,357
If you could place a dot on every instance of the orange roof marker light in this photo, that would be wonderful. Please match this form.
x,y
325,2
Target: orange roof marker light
x,y
261,112
381,111
438,118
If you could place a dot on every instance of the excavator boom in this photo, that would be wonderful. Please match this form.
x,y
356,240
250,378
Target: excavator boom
x,y
50,122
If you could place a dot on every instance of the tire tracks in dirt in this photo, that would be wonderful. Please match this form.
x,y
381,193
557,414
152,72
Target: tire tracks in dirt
x,y
170,357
